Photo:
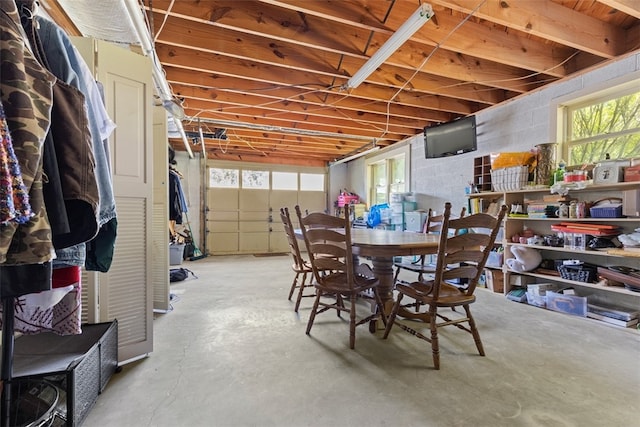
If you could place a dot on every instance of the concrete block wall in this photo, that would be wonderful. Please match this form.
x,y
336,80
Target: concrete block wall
x,y
517,125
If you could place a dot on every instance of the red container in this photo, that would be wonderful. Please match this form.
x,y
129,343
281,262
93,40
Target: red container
x,y
632,173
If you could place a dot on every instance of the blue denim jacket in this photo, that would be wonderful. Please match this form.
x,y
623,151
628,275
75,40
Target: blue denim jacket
x,y
67,64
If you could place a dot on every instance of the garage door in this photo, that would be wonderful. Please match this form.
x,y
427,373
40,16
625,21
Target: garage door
x,y
243,206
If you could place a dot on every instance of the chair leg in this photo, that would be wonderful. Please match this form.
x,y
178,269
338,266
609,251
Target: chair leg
x,y
314,310
435,348
300,291
380,307
395,278
474,330
352,321
392,316
339,303
294,285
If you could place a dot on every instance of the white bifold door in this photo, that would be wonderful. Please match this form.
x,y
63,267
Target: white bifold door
x,y
125,292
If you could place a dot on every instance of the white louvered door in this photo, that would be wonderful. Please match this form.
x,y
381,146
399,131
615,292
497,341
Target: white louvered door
x,y
160,232
125,293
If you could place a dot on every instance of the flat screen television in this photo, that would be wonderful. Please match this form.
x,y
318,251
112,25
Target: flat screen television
x,y
450,138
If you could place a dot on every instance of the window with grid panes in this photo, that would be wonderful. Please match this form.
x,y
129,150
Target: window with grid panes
x,y
603,125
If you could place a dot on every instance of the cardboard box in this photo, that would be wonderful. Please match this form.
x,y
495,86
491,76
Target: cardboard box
x,y
494,280
518,281
570,304
540,288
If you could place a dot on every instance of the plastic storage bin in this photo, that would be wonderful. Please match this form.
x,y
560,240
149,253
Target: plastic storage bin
x,y
176,253
611,209
570,304
537,300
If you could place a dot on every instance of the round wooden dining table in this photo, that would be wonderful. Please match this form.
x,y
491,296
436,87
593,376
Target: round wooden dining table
x,y
381,246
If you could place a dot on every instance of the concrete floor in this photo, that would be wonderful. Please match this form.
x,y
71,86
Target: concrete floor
x,y
233,353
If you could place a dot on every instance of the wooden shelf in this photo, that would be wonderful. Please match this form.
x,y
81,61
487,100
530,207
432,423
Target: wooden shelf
x,y
482,173
514,218
542,226
567,250
616,289
486,195
590,187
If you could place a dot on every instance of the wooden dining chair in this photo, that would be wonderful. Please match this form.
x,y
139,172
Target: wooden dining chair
x,y
301,267
338,279
425,265
460,256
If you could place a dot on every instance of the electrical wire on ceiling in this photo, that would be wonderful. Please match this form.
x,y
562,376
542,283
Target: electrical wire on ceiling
x,y
247,143
165,17
424,62
335,104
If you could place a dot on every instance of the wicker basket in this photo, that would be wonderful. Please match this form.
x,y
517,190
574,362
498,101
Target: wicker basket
x,y
579,273
509,179
606,211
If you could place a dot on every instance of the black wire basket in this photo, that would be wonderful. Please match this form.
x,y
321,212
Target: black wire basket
x,y
579,273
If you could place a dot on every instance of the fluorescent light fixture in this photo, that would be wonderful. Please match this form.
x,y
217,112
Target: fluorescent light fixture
x,y
174,108
159,79
355,156
404,33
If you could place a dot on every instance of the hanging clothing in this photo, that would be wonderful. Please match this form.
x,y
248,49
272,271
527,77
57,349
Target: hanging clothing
x,y
73,151
14,198
26,94
101,249
68,65
177,201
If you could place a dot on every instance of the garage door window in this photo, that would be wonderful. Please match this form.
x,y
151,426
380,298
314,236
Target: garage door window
x,y
224,178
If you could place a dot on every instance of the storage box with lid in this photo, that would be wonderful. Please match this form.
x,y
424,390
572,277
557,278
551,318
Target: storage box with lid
x,y
570,304
537,293
414,221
